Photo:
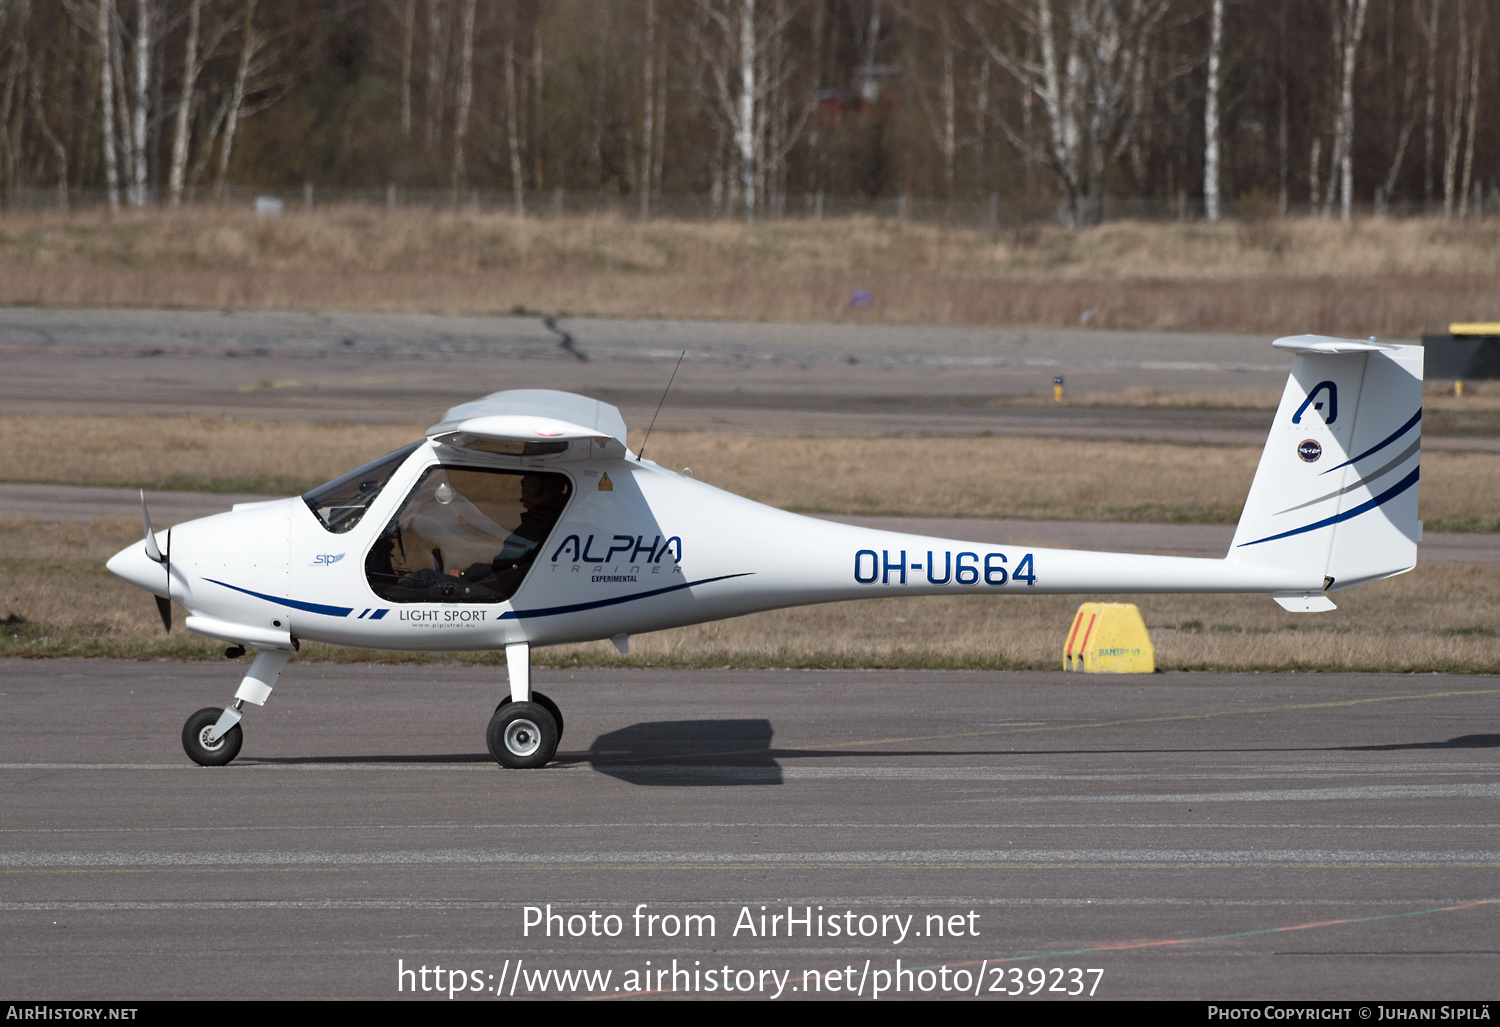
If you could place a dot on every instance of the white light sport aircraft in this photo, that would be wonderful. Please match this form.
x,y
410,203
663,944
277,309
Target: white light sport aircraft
x,y
523,520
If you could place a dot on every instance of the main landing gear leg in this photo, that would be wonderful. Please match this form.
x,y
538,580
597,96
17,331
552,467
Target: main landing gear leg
x,y
212,737
527,726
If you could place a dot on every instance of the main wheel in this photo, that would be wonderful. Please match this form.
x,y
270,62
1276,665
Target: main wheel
x,y
196,744
522,735
547,704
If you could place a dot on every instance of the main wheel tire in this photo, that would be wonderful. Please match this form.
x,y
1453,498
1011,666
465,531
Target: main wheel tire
x,y
546,703
195,739
522,735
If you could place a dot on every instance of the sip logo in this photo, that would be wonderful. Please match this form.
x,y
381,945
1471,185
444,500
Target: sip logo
x,y
327,559
1309,450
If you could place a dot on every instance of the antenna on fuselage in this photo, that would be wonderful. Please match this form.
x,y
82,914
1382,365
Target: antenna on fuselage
x,y
642,454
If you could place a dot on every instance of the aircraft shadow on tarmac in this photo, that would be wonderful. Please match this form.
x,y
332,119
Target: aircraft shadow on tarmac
x,y
687,753
1461,742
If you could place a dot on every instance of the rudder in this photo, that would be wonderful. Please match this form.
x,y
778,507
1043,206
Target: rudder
x,y
1336,487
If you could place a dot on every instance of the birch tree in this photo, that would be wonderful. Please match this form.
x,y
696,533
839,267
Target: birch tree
x,y
465,91
1211,115
1348,30
1086,75
1429,27
512,115
107,99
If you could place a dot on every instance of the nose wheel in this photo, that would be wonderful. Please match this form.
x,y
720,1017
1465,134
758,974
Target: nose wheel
x,y
523,735
203,751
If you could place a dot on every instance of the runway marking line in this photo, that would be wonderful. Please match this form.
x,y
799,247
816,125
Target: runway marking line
x,y
1157,943
653,867
1067,727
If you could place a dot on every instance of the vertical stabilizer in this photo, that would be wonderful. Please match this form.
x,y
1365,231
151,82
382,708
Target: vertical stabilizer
x,y
1337,483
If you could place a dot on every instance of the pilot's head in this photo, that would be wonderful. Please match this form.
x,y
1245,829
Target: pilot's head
x,y
543,490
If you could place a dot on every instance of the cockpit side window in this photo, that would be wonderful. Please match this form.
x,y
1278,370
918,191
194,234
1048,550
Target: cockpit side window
x,y
340,504
466,535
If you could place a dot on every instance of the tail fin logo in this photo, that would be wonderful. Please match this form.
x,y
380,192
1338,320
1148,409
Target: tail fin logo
x,y
1309,450
1333,403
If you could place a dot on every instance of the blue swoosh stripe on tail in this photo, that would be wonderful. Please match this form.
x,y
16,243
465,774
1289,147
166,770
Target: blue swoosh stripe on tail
x,y
1370,504
1382,443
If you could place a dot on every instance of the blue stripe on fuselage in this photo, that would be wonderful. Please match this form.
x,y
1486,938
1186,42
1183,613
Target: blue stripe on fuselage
x,y
596,604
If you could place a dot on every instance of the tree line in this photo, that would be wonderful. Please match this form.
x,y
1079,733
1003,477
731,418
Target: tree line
x,y
760,106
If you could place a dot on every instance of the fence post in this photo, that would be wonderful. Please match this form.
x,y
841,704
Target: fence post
x,y
557,202
307,195
994,214
390,196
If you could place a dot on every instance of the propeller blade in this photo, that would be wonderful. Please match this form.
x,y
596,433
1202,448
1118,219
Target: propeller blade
x,y
164,607
151,549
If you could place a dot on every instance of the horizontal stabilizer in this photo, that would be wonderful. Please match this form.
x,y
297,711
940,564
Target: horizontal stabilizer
x,y
1307,602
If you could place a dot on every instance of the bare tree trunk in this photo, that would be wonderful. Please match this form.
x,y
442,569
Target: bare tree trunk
x,y
658,147
142,102
1453,119
248,45
538,119
602,35
648,96
1463,192
465,93
206,145
175,177
437,52
949,102
512,128
1283,154
745,134
58,149
408,33
981,121
1349,27
107,95
1314,168
13,95
814,138
1211,116
1430,34
1408,122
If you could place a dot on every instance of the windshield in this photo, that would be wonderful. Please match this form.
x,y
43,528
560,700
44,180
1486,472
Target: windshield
x,y
341,503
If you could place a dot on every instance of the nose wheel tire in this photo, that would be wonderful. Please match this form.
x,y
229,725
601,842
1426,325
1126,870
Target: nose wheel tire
x,y
522,735
196,744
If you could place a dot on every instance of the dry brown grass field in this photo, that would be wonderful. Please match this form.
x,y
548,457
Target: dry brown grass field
x,y
1376,276
56,598
1043,479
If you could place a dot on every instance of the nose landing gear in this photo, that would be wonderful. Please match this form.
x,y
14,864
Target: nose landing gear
x,y
212,736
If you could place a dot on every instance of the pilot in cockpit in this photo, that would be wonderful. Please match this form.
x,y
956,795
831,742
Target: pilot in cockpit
x,y
543,496
465,520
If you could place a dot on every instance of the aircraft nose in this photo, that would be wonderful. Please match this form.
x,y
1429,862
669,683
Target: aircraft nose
x,y
132,564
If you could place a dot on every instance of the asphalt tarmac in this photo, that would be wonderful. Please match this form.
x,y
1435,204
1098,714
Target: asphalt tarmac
x,y
773,378
1187,835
